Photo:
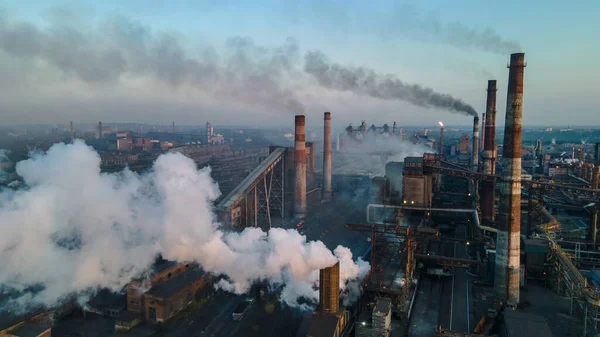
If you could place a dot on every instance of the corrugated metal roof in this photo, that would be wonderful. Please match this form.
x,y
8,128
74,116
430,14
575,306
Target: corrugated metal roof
x,y
249,181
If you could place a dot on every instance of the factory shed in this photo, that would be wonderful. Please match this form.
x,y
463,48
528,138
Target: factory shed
x,y
164,300
107,303
521,324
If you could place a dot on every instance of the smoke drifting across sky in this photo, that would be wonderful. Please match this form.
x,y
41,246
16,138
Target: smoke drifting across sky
x,y
122,50
365,81
74,229
400,21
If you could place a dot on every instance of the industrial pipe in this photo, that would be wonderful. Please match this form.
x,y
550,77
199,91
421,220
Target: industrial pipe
x,y
482,138
327,157
300,157
488,194
507,274
475,160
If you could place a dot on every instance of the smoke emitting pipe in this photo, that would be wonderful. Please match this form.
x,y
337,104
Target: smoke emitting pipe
x,y
482,136
507,273
476,144
327,157
300,157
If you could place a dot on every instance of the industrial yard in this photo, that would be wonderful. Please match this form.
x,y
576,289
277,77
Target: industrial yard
x,y
371,219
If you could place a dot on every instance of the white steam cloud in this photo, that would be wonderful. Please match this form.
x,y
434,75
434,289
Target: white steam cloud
x,y
75,229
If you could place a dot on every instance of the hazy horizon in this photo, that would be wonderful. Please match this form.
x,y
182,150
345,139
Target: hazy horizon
x,y
262,62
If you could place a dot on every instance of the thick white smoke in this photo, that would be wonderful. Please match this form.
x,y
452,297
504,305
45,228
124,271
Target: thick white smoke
x,y
75,229
366,154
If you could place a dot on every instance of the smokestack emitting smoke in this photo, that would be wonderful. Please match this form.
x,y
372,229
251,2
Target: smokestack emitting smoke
x,y
488,192
327,156
365,81
208,132
300,157
75,229
476,144
482,137
329,289
506,283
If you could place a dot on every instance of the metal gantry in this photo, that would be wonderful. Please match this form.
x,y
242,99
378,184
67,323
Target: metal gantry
x,y
260,196
269,195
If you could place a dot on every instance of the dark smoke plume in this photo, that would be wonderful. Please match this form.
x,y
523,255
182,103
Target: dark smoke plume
x,y
122,49
365,81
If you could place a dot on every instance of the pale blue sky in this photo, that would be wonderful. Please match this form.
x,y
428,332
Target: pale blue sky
x,y
559,38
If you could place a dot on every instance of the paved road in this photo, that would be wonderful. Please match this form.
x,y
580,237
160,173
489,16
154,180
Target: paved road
x,y
457,296
444,301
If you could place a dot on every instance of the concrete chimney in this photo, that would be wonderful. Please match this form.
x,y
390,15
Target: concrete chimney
x,y
99,130
300,156
482,137
208,132
441,141
508,261
71,130
329,289
488,194
475,160
327,157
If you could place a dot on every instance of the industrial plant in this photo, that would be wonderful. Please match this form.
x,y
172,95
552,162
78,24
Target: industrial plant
x,y
465,234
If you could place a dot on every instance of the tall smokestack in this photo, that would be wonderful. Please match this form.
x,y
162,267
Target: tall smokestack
x,y
208,132
337,143
394,128
488,193
99,130
329,289
327,157
508,261
441,141
173,128
71,130
475,144
300,156
482,137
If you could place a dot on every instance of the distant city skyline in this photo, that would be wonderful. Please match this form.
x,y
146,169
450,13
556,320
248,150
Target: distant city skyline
x,y
148,62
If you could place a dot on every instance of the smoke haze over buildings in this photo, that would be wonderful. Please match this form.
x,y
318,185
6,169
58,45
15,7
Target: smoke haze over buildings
x,y
73,230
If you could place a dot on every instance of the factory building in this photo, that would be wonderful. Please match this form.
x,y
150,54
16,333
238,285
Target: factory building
x,y
416,186
170,289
